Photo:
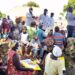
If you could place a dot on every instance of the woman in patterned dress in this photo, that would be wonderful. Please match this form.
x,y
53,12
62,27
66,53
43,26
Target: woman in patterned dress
x,y
14,65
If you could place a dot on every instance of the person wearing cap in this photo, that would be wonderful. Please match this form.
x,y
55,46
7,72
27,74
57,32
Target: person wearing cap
x,y
53,66
29,17
13,63
44,19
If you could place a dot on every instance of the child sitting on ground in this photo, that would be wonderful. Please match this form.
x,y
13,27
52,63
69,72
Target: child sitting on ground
x,y
28,52
35,43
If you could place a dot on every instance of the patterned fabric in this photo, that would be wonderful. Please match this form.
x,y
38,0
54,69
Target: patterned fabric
x,y
59,39
70,50
11,68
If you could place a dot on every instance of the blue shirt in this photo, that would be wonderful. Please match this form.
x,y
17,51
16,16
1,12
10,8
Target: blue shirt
x,y
40,34
59,38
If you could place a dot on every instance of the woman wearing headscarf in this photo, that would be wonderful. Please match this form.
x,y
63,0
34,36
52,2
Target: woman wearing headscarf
x,y
13,61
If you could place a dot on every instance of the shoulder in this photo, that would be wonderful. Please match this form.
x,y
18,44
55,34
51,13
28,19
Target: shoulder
x,y
48,55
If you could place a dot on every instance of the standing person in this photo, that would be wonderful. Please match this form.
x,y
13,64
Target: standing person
x,y
52,20
53,65
29,17
8,19
71,21
44,19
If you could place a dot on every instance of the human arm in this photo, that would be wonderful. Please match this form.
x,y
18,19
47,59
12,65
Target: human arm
x,y
17,64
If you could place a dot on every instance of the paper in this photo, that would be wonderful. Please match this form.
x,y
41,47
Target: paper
x,y
28,63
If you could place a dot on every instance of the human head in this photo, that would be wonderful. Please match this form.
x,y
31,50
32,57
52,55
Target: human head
x,y
57,52
49,42
8,17
52,14
45,11
62,32
23,22
4,20
57,29
13,45
24,29
30,10
40,26
70,9
35,38
29,49
50,33
33,24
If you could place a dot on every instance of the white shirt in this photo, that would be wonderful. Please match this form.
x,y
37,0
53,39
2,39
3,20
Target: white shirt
x,y
44,20
29,19
53,67
24,38
51,21
70,19
35,44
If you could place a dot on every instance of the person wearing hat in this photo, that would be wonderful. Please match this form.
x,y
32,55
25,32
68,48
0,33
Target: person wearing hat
x,y
13,63
52,64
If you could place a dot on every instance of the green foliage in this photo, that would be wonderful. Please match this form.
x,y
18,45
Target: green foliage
x,y
2,15
31,4
70,3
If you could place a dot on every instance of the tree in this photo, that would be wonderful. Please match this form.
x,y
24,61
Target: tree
x,y
2,15
31,4
71,3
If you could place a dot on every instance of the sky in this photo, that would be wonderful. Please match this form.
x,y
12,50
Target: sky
x,y
55,6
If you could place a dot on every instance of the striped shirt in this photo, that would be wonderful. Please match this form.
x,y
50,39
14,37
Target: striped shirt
x,y
59,38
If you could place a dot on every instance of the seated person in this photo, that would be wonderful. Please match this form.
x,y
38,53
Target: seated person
x,y
28,52
35,43
13,61
2,67
59,38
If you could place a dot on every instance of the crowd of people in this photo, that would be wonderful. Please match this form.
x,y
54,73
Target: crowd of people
x,y
41,42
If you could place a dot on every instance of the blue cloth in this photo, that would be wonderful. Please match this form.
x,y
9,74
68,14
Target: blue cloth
x,y
40,34
5,35
70,30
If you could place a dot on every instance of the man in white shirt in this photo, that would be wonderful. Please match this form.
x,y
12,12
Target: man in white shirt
x,y
29,17
71,21
52,20
51,24
44,19
53,65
